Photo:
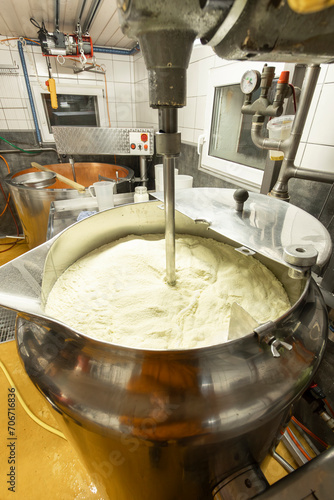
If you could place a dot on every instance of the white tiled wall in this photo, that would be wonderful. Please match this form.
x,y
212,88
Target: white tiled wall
x,y
15,113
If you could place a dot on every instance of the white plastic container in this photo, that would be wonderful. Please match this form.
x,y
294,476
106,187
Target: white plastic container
x,y
104,192
279,128
141,194
183,182
159,176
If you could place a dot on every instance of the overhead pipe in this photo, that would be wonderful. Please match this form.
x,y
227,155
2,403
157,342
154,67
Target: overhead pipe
x,y
81,11
121,52
57,16
91,15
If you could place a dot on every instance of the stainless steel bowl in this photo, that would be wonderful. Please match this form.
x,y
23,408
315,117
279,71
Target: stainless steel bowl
x,y
161,424
33,202
35,179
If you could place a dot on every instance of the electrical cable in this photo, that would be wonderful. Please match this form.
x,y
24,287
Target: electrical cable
x,y
6,206
105,84
18,38
27,409
5,163
310,433
329,406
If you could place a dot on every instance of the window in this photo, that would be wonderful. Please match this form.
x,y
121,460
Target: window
x,y
228,151
77,106
73,110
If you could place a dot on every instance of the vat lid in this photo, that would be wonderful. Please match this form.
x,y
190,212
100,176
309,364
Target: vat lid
x,y
266,225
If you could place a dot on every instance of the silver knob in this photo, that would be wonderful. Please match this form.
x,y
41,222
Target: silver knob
x,y
300,255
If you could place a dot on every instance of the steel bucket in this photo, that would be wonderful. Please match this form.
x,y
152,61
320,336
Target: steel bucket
x,y
33,203
161,424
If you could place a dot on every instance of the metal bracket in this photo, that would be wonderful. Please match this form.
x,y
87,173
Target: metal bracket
x,y
264,335
205,222
168,143
91,69
245,251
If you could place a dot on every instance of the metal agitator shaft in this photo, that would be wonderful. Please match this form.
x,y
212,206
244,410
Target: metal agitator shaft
x,y
170,149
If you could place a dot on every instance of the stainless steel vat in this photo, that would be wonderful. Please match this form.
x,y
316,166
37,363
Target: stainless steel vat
x,y
162,424
33,203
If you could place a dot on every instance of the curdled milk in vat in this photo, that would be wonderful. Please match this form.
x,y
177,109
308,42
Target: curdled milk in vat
x,y
118,293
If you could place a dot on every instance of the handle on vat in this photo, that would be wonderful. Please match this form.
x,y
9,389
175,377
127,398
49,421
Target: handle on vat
x,y
61,178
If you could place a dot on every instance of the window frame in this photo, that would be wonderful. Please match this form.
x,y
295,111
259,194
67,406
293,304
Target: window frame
x,y
96,91
239,174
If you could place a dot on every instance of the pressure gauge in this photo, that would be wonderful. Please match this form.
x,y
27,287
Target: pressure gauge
x,y
250,81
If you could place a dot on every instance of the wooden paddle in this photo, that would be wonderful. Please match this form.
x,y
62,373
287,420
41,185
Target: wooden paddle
x,y
61,178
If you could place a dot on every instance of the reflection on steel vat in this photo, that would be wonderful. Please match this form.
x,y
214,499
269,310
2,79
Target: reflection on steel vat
x,y
162,424
33,204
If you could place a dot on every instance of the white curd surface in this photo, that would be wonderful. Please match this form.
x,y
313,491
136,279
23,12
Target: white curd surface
x,y
118,293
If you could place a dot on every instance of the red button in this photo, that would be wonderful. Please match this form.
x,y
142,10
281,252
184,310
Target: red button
x,y
133,146
144,137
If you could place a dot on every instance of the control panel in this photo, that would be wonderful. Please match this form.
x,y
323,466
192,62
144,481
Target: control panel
x,y
140,143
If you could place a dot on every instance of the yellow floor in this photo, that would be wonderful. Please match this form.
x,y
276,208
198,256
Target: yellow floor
x,y
7,253
46,466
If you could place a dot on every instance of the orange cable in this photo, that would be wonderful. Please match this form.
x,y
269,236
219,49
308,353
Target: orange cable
x,y
297,444
310,433
6,163
329,406
7,203
31,40
18,38
105,84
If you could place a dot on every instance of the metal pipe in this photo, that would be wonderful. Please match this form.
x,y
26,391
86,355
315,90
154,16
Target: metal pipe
x,y
168,125
91,15
169,199
309,85
312,175
264,142
6,151
81,10
290,145
120,52
37,151
26,78
298,456
71,160
286,466
143,170
57,16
